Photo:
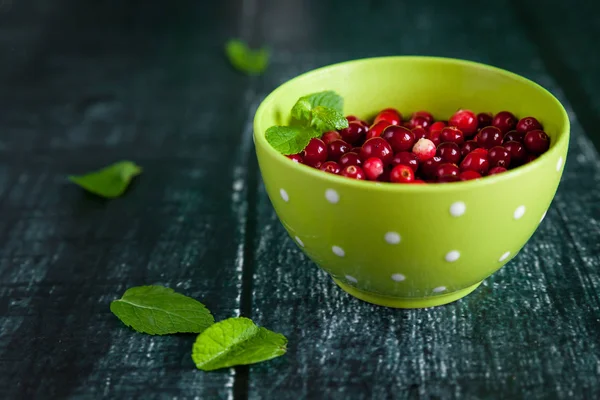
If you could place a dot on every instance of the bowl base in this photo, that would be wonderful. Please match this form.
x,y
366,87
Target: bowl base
x,y
398,302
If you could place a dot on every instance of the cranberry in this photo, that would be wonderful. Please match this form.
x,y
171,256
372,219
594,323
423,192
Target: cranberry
x,y
475,161
406,158
505,121
402,174
484,119
530,158
429,168
499,157
424,149
377,128
513,136
421,118
337,148
465,120
355,150
434,136
419,132
330,136
497,170
448,178
315,153
446,169
481,151
390,115
296,158
377,147
468,175
437,126
536,141
354,172
449,152
354,133
351,118
528,124
517,152
373,168
468,147
407,125
489,137
400,138
331,166
350,158
452,134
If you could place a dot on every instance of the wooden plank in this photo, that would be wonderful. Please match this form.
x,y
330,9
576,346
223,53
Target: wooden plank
x,y
531,331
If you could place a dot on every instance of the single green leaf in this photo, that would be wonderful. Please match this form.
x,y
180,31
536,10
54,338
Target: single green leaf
x,y
252,62
109,182
303,112
290,139
236,341
158,310
327,119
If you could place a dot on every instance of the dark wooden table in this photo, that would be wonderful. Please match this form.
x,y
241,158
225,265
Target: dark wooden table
x,y
87,83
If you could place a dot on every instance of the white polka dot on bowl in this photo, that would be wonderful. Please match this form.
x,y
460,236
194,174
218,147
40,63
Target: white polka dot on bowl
x,y
299,241
439,289
398,277
352,279
332,196
338,251
392,237
519,212
284,195
457,209
504,256
452,256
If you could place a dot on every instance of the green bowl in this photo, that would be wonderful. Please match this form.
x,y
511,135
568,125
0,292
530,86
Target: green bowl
x,y
411,246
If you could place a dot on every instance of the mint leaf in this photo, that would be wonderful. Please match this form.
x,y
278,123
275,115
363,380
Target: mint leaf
x,y
290,139
327,98
327,119
251,62
158,310
236,341
109,182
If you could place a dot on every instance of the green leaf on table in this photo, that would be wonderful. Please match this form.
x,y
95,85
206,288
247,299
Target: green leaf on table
x,y
158,310
327,119
236,341
252,62
290,139
109,182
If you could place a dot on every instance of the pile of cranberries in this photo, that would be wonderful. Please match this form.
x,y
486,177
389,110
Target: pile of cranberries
x,y
423,150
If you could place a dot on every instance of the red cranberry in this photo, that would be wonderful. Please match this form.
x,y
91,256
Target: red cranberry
x,y
350,158
489,137
354,133
337,148
390,115
428,169
446,169
513,136
499,157
481,151
536,141
437,126
421,118
331,166
465,120
448,178
424,149
468,175
528,124
354,172
497,170
330,136
296,158
517,152
484,119
351,118
400,138
419,132
402,174
407,125
406,158
315,153
505,121
355,150
377,128
434,136
468,147
452,134
449,152
475,161
377,147
373,168
530,158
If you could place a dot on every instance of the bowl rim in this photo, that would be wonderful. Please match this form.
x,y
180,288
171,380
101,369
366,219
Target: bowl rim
x,y
564,131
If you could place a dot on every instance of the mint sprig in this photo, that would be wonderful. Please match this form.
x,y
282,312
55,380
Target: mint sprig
x,y
158,310
236,341
109,182
311,116
246,60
